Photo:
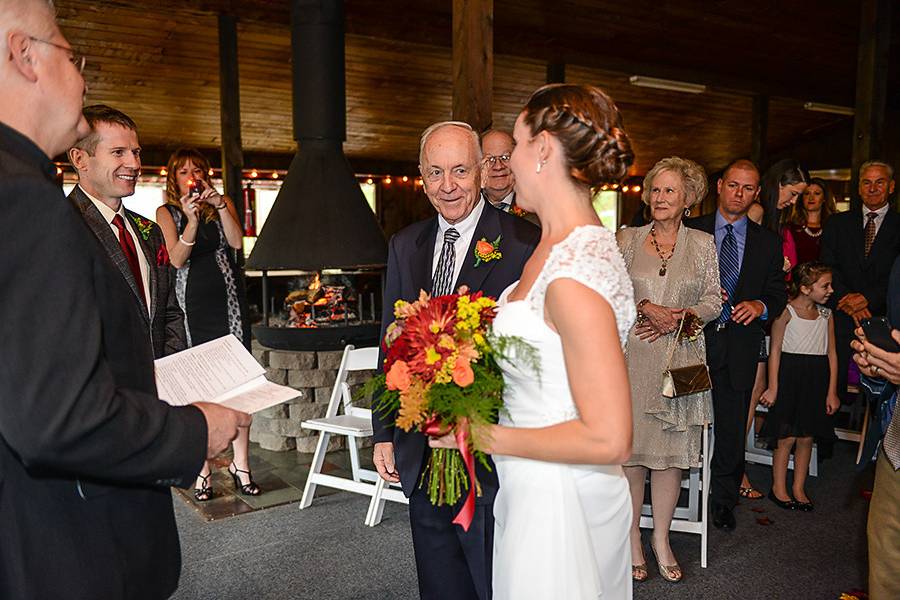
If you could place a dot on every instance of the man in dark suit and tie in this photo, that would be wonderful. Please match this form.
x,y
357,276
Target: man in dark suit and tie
x,y
87,450
860,246
108,163
750,269
437,255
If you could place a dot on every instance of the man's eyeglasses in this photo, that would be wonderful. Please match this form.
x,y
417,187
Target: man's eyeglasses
x,y
76,59
492,160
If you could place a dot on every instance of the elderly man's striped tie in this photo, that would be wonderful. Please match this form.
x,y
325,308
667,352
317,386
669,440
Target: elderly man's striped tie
x,y
443,274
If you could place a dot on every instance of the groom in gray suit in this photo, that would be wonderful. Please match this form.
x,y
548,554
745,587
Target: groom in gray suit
x,y
108,163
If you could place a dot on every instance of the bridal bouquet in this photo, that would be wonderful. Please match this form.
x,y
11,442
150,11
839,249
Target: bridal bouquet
x,y
440,375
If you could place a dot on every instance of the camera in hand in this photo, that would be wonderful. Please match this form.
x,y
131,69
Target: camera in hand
x,y
194,188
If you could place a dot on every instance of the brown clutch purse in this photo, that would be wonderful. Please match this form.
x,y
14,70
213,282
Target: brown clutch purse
x,y
685,381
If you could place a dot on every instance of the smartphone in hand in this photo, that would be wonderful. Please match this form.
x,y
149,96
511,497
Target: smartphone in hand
x,y
878,332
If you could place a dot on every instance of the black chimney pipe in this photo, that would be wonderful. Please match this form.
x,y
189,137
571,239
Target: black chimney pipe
x,y
321,218
317,41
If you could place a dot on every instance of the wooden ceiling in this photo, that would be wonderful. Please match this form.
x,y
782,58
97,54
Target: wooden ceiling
x,y
158,61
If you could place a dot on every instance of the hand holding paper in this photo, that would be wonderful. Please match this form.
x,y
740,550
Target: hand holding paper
x,y
221,372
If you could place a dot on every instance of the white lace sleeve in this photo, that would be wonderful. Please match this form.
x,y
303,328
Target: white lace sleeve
x,y
590,256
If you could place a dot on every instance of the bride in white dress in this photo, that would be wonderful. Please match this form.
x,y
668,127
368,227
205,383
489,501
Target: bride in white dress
x,y
563,511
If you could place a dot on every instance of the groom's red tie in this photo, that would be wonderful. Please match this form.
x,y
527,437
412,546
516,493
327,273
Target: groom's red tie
x,y
130,252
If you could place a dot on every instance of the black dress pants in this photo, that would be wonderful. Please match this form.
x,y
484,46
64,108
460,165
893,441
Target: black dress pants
x,y
731,405
452,564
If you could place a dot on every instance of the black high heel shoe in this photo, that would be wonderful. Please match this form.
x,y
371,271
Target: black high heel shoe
x,y
204,492
247,489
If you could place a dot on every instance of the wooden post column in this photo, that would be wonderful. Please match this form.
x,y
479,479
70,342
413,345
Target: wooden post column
x,y
871,87
759,131
230,110
473,62
556,72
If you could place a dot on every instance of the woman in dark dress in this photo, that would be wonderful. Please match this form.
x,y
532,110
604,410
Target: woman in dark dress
x,y
809,218
202,232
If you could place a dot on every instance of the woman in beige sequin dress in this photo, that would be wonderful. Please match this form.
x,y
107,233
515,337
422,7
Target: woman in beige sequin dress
x,y
674,270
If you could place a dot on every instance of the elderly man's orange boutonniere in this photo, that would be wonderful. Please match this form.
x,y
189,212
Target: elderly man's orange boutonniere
x,y
486,251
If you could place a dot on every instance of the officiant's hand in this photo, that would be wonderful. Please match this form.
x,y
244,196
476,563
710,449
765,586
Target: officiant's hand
x,y
383,457
222,426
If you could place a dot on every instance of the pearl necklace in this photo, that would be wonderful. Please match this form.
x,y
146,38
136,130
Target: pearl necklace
x,y
811,233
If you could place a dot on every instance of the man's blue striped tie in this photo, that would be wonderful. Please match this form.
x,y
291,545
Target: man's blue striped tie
x,y
729,271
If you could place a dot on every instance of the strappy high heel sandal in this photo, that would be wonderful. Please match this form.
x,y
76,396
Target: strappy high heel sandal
x,y
671,573
204,492
247,489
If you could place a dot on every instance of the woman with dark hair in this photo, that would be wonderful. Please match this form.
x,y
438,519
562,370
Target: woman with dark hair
x,y
808,218
563,511
202,231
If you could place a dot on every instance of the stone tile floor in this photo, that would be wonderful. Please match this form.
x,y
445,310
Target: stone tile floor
x,y
280,475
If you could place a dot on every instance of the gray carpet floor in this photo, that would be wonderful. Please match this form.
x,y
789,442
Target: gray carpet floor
x,y
327,552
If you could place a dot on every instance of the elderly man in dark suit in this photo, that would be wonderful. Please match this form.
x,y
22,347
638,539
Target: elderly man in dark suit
x,y
750,270
437,255
860,246
87,450
108,163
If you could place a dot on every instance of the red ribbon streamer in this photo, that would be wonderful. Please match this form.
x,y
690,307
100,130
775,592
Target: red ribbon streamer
x,y
464,517
434,428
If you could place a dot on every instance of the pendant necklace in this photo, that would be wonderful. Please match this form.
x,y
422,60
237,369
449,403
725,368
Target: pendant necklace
x,y
665,259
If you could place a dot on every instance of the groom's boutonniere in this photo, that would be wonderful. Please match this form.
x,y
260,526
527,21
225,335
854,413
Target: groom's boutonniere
x,y
486,251
144,226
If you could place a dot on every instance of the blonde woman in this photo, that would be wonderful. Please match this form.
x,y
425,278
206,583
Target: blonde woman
x,y
675,272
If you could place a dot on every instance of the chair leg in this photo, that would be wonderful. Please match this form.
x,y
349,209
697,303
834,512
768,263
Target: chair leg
x,y
376,504
704,503
353,448
309,490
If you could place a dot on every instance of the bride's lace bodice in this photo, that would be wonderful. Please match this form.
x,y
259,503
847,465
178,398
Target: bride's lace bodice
x,y
590,256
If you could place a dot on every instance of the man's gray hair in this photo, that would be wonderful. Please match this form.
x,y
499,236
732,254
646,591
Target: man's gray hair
x,y
461,124
16,13
877,163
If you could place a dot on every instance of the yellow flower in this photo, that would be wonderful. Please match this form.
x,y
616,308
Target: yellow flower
x,y
431,355
447,342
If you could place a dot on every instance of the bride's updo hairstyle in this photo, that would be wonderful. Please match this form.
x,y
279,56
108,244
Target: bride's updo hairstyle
x,y
588,125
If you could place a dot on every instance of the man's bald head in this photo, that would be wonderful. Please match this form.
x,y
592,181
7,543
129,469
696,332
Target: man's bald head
x,y
741,164
36,16
41,87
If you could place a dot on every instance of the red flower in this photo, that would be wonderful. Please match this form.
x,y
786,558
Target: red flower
x,y
162,256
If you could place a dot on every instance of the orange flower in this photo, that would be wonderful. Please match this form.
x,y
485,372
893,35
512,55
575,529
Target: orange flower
x,y
484,247
398,377
413,405
462,373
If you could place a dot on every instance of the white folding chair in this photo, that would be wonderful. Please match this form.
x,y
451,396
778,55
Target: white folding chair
x,y
354,423
692,518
